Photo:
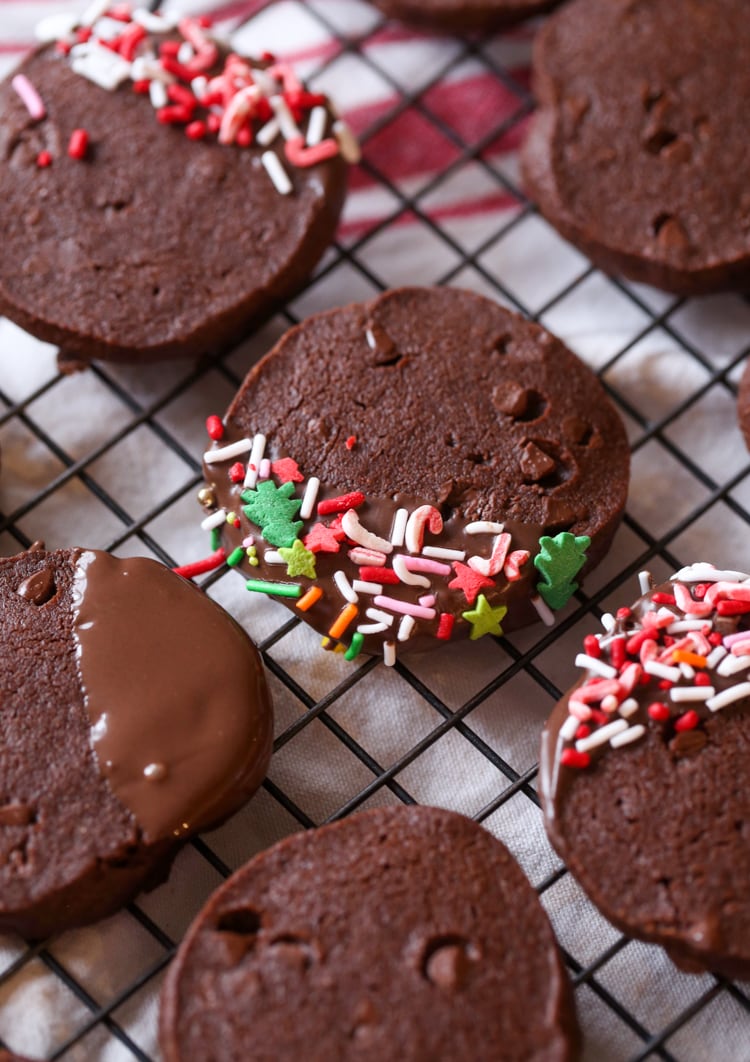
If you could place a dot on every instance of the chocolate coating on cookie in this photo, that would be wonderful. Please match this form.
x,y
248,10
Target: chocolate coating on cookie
x,y
152,244
643,771
404,933
464,16
134,713
451,430
637,151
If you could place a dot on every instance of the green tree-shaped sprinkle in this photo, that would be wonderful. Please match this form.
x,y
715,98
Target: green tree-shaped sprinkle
x,y
558,561
273,510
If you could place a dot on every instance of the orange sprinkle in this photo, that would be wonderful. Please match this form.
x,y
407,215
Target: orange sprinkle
x,y
683,656
343,620
308,600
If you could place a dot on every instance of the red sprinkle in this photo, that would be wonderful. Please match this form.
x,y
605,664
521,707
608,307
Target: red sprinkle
x,y
668,640
700,590
213,123
268,57
715,638
43,159
665,684
623,613
351,442
63,47
179,94
237,472
688,721
659,711
176,113
634,643
660,598
591,646
599,717
78,144
341,503
617,652
732,608
378,575
196,130
83,34
215,560
170,48
142,86
184,73
702,679
244,136
445,626
573,758
583,731
214,427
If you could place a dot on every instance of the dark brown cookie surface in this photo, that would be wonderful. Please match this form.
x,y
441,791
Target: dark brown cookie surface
x,y
644,768
398,933
154,243
414,450
464,16
635,153
134,713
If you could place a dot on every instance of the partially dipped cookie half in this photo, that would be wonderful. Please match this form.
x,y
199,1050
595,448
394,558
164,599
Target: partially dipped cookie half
x,y
644,769
134,714
416,469
406,933
160,192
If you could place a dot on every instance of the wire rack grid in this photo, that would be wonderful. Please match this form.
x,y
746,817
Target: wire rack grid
x,y
110,458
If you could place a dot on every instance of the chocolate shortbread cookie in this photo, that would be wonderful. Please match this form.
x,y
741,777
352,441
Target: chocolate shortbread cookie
x,y
644,770
424,466
464,16
160,222
635,152
134,713
405,933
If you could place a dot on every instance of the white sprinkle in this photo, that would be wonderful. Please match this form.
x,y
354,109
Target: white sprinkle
x,y
569,728
148,68
732,664
348,146
264,472
691,693
629,707
645,581
626,736
100,65
185,52
545,612
276,172
389,654
157,93
652,667
372,628
94,11
440,553
399,527
257,449
354,530
688,672
224,453
271,556
55,27
106,29
344,587
590,662
734,693
309,498
608,621
704,573
609,703
379,616
153,23
716,654
214,520
405,628
267,133
484,527
289,128
363,587
602,735
686,625
316,126
199,85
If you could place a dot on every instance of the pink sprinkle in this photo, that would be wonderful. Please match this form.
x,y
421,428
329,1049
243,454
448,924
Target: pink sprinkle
x,y
299,155
579,710
730,639
629,676
742,648
247,542
30,97
404,607
728,591
427,601
370,557
265,468
423,564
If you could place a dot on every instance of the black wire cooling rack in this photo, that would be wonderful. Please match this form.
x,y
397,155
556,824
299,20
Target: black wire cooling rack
x,y
670,365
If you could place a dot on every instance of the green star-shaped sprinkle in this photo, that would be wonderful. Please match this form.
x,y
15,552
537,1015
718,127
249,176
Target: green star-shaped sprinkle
x,y
484,619
558,561
272,509
299,561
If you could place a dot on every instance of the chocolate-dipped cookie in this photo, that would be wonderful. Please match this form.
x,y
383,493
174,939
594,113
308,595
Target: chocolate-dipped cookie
x,y
644,769
405,933
464,16
422,467
134,713
159,194
634,154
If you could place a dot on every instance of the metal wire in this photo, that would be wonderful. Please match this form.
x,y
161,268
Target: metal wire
x,y
649,1031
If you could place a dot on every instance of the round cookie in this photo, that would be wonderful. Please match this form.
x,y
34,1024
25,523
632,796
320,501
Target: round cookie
x,y
644,769
636,152
464,16
422,467
405,933
164,236
134,714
